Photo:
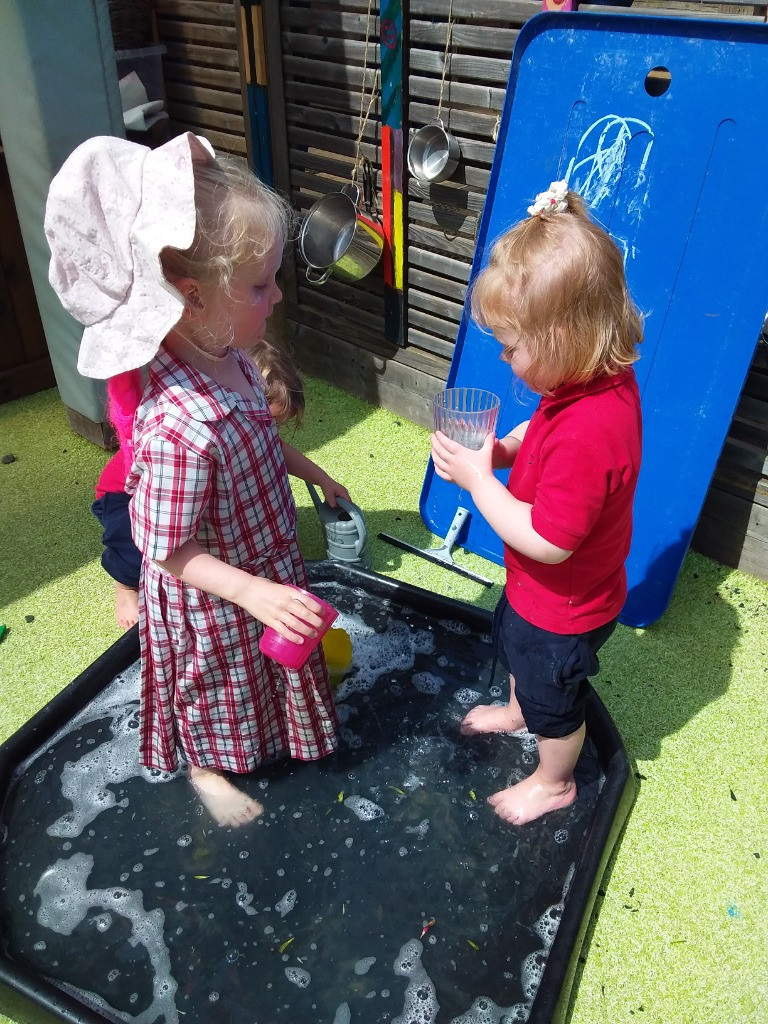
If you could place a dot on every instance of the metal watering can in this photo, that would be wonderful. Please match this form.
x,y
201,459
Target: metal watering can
x,y
346,535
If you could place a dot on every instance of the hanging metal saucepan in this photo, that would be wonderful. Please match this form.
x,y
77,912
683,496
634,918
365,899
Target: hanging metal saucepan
x,y
433,153
336,239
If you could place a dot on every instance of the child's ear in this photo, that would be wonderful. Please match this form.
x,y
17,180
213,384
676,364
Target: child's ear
x,y
190,291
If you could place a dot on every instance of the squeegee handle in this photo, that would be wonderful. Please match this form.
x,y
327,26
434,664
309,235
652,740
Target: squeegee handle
x,y
462,514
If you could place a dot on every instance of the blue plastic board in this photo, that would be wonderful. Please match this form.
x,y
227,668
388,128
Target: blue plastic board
x,y
676,180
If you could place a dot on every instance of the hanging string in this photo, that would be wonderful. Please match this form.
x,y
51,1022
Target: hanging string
x,y
363,120
445,56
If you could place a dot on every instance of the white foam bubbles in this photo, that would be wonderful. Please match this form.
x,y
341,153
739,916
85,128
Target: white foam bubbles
x,y
84,783
427,682
380,653
465,696
532,972
364,965
453,626
547,925
485,1011
420,1005
65,899
343,1014
364,809
286,904
419,830
244,898
298,976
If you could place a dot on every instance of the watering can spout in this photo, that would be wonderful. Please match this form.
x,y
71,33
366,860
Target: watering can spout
x,y
346,535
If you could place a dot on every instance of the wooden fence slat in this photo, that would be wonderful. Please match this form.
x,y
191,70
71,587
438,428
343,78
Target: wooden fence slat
x,y
195,96
484,97
219,120
442,332
460,68
336,21
484,11
223,141
440,263
434,284
428,343
227,80
310,96
437,304
194,10
204,34
207,56
457,120
472,38
319,139
349,76
455,226
447,195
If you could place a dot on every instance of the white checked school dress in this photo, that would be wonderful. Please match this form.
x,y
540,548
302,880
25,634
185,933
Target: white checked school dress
x,y
208,464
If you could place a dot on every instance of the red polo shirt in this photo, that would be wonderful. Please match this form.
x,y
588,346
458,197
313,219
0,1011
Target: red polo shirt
x,y
578,467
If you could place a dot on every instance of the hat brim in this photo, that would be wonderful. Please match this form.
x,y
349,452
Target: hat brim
x,y
130,336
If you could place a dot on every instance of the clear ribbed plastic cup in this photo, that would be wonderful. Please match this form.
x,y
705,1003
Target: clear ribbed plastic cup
x,y
466,415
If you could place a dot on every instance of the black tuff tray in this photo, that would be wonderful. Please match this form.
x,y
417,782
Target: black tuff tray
x,y
121,900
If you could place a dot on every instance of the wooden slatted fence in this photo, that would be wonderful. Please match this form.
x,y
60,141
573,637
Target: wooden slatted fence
x,y
202,71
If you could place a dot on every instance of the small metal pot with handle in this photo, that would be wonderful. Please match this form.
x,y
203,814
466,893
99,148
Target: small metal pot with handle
x,y
433,153
336,239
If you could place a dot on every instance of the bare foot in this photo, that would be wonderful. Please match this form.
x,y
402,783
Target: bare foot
x,y
492,718
227,804
530,799
126,606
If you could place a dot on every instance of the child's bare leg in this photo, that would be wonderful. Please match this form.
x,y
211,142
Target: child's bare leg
x,y
495,717
551,786
126,605
227,804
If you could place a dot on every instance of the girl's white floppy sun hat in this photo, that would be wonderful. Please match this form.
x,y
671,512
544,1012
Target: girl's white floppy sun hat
x,y
111,209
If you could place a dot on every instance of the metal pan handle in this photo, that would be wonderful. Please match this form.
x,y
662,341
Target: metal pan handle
x,y
352,191
320,278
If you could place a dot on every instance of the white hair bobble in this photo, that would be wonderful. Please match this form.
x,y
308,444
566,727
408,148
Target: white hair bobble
x,y
554,200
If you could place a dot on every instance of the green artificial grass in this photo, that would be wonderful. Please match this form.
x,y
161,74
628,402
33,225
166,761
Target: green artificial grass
x,y
679,931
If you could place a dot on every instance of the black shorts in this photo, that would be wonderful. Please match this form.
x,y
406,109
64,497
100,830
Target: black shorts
x,y
121,558
551,670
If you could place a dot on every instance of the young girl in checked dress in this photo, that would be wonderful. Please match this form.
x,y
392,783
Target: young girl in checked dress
x,y
169,257
555,296
121,558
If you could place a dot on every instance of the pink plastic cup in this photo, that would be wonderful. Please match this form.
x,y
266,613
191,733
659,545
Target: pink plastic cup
x,y
292,655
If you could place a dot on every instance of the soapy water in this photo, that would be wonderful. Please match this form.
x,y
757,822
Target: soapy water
x,y
377,888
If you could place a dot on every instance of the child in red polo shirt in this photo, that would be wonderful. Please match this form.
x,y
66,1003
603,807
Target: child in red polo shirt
x,y
555,296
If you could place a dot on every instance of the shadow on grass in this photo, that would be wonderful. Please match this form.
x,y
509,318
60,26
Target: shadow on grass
x,y
656,680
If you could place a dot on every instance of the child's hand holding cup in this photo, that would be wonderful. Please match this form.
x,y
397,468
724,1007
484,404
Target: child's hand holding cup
x,y
290,653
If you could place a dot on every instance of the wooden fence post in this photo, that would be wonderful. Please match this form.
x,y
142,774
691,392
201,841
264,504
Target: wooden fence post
x,y
392,160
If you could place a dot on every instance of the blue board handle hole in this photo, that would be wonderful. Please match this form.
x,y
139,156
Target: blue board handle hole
x,y
657,81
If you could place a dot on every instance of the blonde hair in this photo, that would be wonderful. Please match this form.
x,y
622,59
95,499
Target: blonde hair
x,y
284,385
558,280
239,219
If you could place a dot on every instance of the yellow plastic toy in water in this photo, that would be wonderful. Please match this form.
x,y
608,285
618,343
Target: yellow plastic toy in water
x,y
337,648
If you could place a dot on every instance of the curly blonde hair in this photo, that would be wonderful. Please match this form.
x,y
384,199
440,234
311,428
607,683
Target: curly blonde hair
x,y
239,219
285,388
557,279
